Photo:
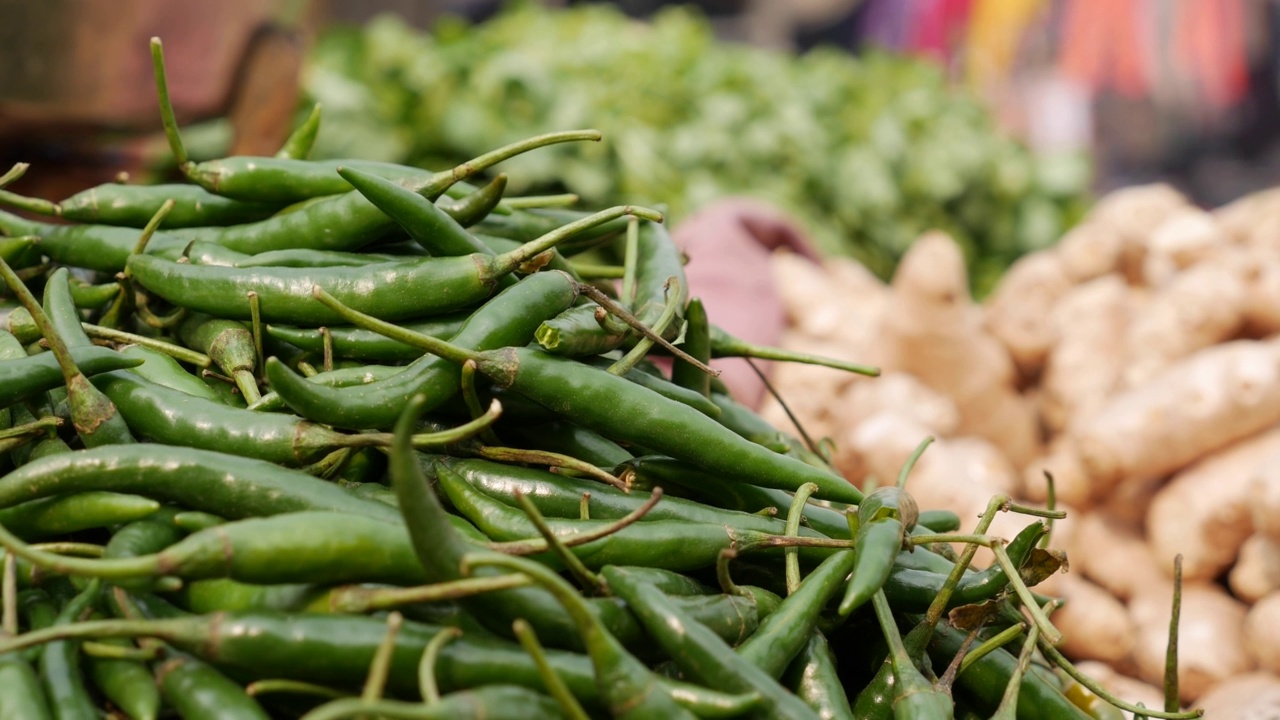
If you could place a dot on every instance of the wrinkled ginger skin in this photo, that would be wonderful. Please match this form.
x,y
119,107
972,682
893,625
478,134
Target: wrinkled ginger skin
x,y
935,333
1197,405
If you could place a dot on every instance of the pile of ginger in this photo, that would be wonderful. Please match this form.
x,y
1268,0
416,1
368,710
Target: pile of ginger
x,y
1138,361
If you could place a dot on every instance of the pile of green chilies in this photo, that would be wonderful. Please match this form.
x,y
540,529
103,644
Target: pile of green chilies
x,y
358,440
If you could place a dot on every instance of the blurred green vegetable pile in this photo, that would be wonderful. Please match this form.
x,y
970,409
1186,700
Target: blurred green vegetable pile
x,y
866,152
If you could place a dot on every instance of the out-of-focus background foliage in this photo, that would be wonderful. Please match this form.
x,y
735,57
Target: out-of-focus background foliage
x,y
866,151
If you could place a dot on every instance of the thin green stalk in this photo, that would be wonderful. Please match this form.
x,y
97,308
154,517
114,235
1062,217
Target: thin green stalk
x,y
549,459
427,684
551,680
585,578
911,461
167,117
177,352
1052,654
360,599
794,513
380,667
995,642
472,400
150,228
644,344
1171,702
294,687
532,547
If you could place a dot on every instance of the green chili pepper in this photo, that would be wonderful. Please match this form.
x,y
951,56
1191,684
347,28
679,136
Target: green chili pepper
x,y
197,691
229,344
700,653
95,247
162,369
358,344
426,223
508,319
133,205
440,549
72,513
589,397
23,698
172,417
60,664
784,633
345,221
812,676
673,545
628,688
299,143
477,204
128,684
491,702
983,683
883,518
285,293
336,650
235,487
558,496
28,377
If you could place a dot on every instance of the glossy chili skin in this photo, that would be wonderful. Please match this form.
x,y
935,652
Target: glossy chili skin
x,y
781,636
590,397
558,495
197,691
491,702
628,687
134,205
60,665
697,342
663,387
358,344
426,223
812,677
336,650
390,290
23,698
569,439
576,333
172,417
163,370
128,684
72,513
96,420
25,378
706,658
984,682
884,516
672,545
314,546
912,590
303,258
235,487
229,344
508,319
440,549
95,247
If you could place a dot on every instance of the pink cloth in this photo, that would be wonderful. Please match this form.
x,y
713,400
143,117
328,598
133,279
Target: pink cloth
x,y
729,244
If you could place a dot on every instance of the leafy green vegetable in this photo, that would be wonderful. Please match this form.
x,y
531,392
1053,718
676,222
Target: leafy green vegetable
x,y
868,152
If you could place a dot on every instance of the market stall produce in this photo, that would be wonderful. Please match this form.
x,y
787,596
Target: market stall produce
x,y
1142,349
232,512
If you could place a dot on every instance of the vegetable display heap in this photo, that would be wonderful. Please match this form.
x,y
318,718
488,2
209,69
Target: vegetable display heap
x,y
867,152
348,439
